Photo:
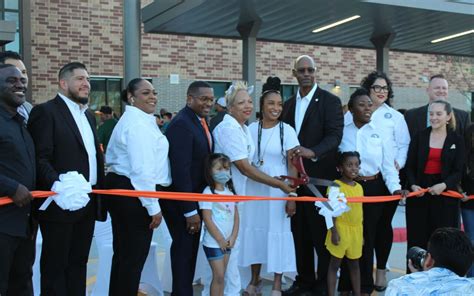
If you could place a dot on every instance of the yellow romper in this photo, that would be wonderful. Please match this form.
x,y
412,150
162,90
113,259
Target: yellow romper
x,y
349,226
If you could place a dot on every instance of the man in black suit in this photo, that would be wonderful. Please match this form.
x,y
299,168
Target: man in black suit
x,y
17,178
317,118
190,143
65,140
438,89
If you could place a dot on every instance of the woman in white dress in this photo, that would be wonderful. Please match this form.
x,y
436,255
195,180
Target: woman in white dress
x,y
232,138
266,236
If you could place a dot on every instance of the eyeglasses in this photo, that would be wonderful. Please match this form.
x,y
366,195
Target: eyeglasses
x,y
379,89
204,99
303,70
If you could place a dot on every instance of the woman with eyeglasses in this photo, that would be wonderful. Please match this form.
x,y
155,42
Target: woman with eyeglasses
x,y
395,129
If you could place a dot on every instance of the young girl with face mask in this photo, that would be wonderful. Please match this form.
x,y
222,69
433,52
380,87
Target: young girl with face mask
x,y
221,220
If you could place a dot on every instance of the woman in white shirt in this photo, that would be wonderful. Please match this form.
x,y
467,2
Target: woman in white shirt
x,y
395,129
233,138
394,126
137,157
378,176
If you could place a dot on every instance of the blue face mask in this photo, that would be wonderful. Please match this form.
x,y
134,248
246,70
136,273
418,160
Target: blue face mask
x,y
221,177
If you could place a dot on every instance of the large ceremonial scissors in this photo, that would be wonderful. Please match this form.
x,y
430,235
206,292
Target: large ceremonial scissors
x,y
309,182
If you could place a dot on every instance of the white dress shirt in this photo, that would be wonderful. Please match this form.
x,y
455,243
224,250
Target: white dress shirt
x,y
139,151
87,135
376,152
302,104
235,141
395,129
23,112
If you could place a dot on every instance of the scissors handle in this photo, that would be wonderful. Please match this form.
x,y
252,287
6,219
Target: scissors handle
x,y
295,182
298,164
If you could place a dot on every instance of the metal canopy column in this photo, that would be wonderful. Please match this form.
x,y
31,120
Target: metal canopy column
x,y
382,46
249,24
131,40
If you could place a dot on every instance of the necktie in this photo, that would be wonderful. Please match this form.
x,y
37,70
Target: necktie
x,y
208,134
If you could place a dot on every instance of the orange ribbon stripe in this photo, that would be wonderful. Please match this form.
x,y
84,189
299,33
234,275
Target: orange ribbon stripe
x,y
186,196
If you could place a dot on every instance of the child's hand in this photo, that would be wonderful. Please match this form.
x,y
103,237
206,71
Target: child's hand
x,y
223,244
335,239
231,242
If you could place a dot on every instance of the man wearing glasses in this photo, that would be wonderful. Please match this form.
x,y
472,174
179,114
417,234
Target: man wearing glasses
x,y
190,142
317,118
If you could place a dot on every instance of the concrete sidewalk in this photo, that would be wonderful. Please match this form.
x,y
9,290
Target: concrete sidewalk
x,y
396,260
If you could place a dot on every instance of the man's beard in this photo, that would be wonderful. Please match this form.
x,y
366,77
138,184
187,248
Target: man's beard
x,y
81,100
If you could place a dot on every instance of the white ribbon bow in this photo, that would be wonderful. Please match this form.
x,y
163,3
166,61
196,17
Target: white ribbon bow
x,y
71,192
337,201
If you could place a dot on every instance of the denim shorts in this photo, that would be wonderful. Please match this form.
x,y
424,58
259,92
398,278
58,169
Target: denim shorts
x,y
215,253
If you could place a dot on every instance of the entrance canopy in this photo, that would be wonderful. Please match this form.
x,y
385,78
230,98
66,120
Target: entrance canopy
x,y
411,25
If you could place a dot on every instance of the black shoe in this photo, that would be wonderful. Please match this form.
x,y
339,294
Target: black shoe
x,y
380,288
320,290
296,290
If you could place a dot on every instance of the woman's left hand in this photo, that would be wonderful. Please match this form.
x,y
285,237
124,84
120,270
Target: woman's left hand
x,y
290,208
437,189
403,193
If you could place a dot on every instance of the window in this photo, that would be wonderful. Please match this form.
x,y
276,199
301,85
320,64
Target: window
x,y
106,91
219,88
10,11
288,90
219,91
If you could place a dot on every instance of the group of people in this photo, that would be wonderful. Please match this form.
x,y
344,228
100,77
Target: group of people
x,y
365,150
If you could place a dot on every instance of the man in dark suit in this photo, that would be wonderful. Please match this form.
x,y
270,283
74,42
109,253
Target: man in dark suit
x,y
190,143
17,178
65,140
317,118
438,89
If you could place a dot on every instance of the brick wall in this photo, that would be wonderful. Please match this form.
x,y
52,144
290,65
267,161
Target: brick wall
x,y
91,32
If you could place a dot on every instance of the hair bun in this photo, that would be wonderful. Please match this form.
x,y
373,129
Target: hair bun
x,y
273,83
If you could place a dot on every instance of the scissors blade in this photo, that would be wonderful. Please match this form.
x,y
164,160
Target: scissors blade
x,y
323,182
316,192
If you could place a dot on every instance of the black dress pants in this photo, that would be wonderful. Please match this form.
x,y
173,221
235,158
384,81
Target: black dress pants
x,y
427,213
16,261
131,238
64,256
309,233
183,251
384,233
375,216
